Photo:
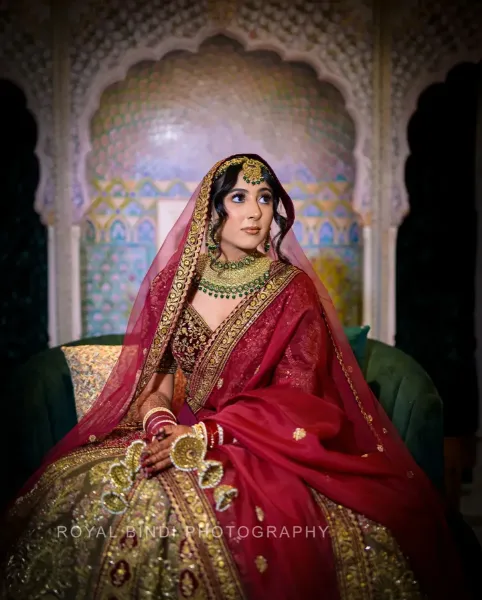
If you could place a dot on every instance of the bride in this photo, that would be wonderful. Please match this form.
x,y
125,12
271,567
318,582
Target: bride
x,y
280,476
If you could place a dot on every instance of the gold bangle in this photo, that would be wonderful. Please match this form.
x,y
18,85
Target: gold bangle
x,y
187,452
154,410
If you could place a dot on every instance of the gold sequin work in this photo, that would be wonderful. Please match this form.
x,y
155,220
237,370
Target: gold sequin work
x,y
259,513
299,434
368,560
190,337
72,547
261,564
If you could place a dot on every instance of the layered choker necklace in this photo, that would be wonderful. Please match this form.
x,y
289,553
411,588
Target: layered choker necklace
x,y
232,279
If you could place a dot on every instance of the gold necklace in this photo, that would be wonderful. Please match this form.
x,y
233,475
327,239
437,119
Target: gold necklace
x,y
230,283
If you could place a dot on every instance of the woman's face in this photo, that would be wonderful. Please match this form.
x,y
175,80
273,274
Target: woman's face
x,y
250,212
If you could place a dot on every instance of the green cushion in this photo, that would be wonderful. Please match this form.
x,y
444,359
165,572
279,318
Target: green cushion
x,y
410,399
357,336
43,410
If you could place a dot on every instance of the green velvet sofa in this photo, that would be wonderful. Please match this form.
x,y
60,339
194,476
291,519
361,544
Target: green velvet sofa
x,y
42,407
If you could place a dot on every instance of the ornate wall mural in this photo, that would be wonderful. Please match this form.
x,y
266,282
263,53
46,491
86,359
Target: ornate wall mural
x,y
159,131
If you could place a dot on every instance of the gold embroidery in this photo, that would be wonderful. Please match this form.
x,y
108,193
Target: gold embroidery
x,y
368,418
259,513
223,496
121,475
391,576
180,283
189,338
218,350
261,564
92,438
299,434
63,466
145,552
167,364
135,559
193,507
90,367
369,563
220,382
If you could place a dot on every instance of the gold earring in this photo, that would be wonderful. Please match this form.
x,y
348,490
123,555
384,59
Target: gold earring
x,y
212,244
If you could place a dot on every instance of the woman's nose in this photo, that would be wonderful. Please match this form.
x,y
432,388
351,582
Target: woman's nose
x,y
253,210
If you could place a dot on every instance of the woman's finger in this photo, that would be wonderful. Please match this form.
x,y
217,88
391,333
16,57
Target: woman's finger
x,y
159,466
154,458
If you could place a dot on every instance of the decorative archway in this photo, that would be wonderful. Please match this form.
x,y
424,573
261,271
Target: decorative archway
x,y
325,207
108,76
409,106
23,251
437,308
44,195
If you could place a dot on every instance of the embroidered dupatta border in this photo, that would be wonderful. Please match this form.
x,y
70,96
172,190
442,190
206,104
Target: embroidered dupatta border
x,y
368,560
220,573
216,354
180,283
351,561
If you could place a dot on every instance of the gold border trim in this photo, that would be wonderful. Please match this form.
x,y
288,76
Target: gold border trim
x,y
180,283
351,561
215,355
220,572
61,467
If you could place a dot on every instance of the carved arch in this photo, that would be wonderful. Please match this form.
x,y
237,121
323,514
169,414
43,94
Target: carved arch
x,y
107,76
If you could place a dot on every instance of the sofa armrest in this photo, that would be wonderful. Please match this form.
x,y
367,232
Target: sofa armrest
x,y
412,402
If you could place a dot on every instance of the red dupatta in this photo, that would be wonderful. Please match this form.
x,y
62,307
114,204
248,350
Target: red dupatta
x,y
273,379
351,422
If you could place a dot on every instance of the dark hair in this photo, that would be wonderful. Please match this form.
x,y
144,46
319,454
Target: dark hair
x,y
224,184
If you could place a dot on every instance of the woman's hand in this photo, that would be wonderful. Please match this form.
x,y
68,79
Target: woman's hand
x,y
155,457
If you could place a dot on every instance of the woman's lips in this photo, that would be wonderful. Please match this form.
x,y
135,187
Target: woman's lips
x,y
252,231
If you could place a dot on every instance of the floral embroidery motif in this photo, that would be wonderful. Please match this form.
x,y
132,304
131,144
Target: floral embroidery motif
x,y
223,496
220,382
259,513
189,338
122,475
299,433
120,573
261,563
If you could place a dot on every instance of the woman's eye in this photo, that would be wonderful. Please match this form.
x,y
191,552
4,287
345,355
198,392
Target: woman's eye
x,y
265,199
237,198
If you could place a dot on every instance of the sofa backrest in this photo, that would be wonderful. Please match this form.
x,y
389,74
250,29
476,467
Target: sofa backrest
x,y
43,409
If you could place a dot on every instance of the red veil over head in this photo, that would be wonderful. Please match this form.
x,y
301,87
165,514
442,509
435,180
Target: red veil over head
x,y
154,316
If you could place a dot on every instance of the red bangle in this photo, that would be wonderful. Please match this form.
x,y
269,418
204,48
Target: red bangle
x,y
156,422
216,434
